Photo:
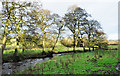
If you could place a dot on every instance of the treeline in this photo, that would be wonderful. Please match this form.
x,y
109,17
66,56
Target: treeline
x,y
113,42
30,25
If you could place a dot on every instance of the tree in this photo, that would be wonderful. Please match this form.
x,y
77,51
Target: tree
x,y
95,26
73,20
92,28
6,22
29,28
44,24
67,41
56,28
101,40
14,19
48,26
19,20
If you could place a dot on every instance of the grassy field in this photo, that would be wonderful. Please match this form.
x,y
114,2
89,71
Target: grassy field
x,y
8,55
84,63
95,62
113,46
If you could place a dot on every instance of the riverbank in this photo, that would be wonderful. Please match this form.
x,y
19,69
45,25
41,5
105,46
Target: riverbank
x,y
93,56
12,67
8,55
94,62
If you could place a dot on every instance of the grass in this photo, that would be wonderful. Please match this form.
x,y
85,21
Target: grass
x,y
113,46
8,55
95,62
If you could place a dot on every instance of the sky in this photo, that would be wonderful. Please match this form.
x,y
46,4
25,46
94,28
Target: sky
x,y
105,11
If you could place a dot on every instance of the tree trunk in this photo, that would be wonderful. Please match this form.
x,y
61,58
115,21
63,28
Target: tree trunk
x,y
3,47
43,44
16,49
89,38
93,48
54,45
44,36
83,48
56,41
6,29
89,48
15,53
89,41
99,47
23,50
2,50
74,43
4,37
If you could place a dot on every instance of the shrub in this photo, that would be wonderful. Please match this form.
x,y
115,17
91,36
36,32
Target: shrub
x,y
49,43
67,41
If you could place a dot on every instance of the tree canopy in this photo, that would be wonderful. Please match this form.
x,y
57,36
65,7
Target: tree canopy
x,y
31,25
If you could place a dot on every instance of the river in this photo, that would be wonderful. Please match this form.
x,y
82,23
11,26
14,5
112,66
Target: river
x,y
12,67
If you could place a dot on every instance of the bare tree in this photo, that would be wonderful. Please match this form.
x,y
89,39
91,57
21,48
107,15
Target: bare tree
x,y
6,22
73,20
58,28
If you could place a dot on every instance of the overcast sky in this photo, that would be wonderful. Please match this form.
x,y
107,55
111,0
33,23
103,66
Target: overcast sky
x,y
105,11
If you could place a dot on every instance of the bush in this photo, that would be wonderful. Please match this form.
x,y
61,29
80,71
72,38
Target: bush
x,y
67,41
49,43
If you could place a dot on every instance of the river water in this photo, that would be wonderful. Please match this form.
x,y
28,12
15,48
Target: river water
x,y
12,67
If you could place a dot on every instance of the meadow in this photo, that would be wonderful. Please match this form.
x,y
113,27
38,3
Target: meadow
x,y
8,55
94,62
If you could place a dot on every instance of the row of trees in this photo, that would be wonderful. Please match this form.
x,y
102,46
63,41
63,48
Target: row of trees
x,y
84,30
31,25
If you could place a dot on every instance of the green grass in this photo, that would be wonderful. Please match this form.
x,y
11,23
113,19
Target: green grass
x,y
95,62
8,54
113,46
